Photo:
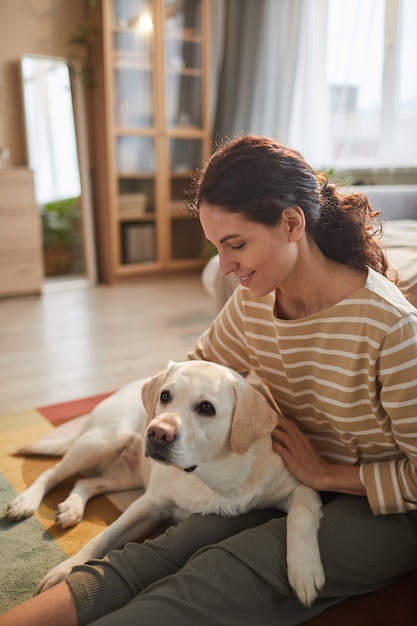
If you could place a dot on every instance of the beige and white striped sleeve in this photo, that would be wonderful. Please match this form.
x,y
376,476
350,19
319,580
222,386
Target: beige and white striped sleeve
x,y
391,484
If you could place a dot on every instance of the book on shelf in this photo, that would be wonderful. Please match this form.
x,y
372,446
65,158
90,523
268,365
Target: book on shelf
x,y
132,204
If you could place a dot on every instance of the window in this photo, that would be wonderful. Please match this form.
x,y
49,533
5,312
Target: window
x,y
355,100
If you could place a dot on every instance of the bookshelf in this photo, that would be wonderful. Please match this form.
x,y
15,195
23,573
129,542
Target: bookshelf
x,y
157,132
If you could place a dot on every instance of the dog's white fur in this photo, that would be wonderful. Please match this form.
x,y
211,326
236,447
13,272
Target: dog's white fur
x,y
210,433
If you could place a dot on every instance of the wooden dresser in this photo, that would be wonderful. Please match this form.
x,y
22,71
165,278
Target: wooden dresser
x,y
21,260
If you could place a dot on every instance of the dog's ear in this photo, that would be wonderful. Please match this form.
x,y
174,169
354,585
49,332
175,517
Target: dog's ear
x,y
150,393
253,417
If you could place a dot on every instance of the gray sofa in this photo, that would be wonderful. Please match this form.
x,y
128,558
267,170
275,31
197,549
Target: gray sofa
x,y
398,204
395,201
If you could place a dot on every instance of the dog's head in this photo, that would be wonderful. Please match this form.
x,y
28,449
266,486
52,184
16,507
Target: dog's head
x,y
199,411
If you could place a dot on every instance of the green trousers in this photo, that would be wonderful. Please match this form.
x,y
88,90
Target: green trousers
x,y
210,570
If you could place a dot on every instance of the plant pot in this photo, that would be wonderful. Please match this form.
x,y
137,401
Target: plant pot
x,y
57,261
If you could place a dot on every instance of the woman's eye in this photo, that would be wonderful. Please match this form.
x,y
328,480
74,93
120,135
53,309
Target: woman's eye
x,y
238,246
165,397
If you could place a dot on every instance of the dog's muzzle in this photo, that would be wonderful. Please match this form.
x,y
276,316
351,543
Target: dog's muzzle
x,y
159,449
157,452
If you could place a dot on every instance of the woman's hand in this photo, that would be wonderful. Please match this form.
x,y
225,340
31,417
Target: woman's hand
x,y
298,454
302,460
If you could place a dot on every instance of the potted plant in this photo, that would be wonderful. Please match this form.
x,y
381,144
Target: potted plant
x,y
61,234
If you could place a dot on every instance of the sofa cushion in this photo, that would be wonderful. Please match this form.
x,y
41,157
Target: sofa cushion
x,y
400,243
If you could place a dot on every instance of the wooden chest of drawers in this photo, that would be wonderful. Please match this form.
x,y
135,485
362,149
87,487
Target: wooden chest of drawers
x,y
21,259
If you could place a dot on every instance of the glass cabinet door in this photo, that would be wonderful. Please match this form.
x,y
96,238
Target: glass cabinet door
x,y
183,63
184,118
136,198
133,70
185,157
133,64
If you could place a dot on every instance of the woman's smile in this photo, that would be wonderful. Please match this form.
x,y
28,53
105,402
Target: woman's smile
x,y
245,279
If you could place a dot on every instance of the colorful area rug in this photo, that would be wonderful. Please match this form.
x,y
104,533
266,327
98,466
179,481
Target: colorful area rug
x,y
29,548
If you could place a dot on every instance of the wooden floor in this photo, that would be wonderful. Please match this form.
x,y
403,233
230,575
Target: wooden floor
x,y
71,344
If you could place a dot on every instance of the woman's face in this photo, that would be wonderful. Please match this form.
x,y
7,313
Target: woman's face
x,y
261,257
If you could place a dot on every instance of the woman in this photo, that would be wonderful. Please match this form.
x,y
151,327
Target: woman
x,y
336,342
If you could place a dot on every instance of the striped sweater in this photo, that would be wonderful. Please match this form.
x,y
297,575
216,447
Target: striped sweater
x,y
347,375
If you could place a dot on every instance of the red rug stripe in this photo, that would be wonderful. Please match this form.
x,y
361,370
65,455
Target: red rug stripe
x,y
59,413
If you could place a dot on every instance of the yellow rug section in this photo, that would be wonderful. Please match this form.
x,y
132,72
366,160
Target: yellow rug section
x,y
22,428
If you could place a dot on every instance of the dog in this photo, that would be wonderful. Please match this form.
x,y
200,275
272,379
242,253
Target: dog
x,y
199,442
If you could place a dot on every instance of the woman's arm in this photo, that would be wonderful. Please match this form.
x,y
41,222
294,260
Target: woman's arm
x,y
308,466
52,607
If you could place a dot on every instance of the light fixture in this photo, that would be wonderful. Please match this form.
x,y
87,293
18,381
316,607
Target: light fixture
x,y
144,24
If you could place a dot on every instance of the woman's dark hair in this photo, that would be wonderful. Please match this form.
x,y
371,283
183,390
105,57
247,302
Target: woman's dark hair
x,y
258,178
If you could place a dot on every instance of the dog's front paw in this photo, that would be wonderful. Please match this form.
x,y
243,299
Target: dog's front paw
x,y
70,512
307,580
55,576
22,506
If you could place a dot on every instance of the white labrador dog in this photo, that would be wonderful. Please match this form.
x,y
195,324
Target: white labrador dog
x,y
199,442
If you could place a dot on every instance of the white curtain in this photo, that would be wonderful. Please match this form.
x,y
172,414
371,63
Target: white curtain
x,y
256,78
333,79
338,91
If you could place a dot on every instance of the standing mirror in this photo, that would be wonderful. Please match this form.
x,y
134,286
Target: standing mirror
x,y
57,154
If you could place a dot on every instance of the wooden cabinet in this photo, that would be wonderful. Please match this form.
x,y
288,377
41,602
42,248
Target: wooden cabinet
x,y
157,130
21,260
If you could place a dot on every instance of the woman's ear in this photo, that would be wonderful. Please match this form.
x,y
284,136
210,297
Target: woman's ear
x,y
295,219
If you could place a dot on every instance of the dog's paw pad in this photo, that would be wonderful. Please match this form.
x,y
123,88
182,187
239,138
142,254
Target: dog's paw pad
x,y
20,507
70,512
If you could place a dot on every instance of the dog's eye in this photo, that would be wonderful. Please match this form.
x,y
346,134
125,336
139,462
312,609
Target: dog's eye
x,y
165,397
206,408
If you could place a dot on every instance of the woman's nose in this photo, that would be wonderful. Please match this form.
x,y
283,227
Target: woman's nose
x,y
226,264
